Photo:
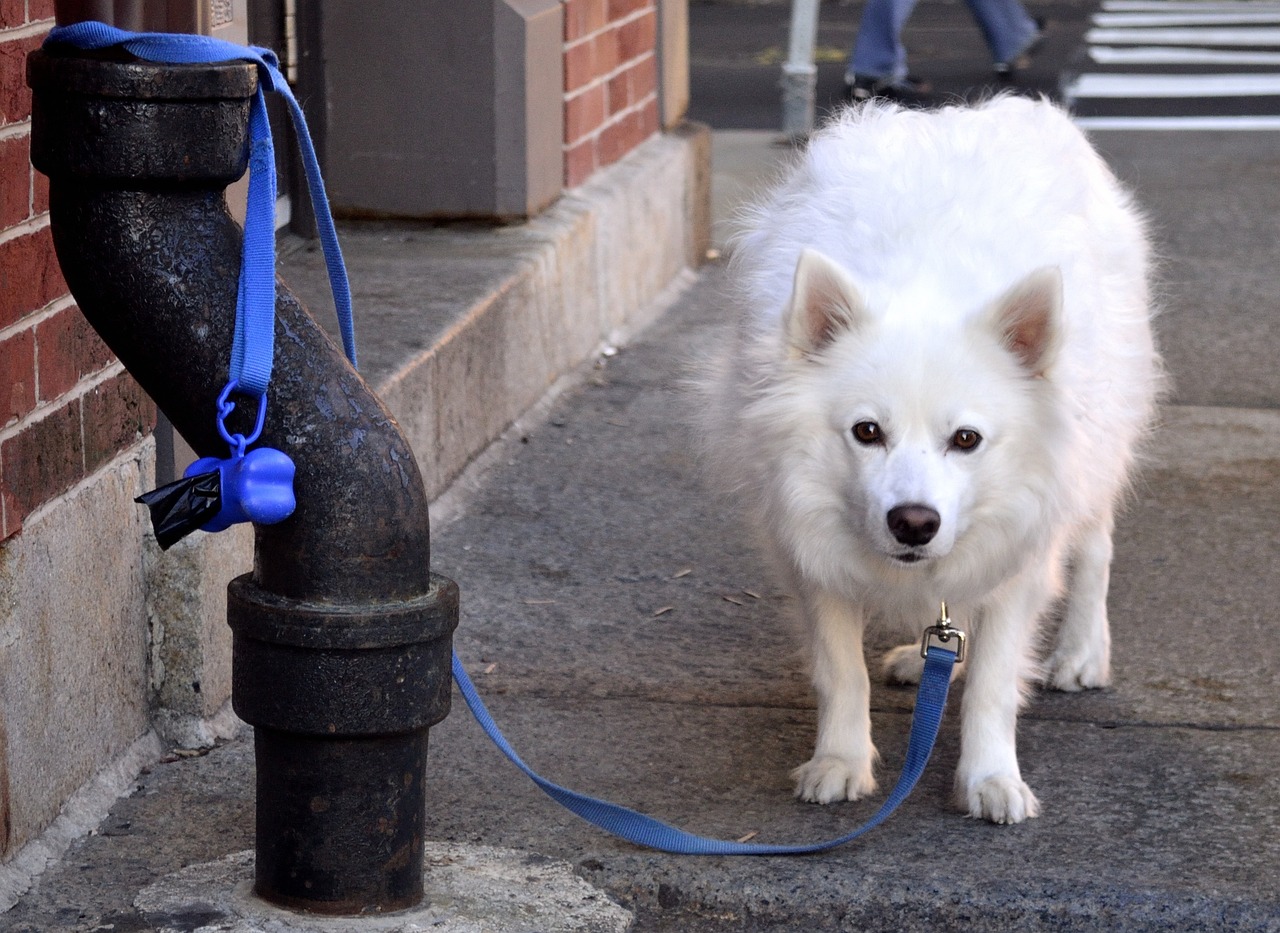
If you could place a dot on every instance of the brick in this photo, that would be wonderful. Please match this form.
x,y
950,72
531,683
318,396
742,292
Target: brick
x,y
29,275
582,18
580,162
620,9
15,96
638,37
38,10
39,193
10,524
584,113
644,78
579,65
117,414
624,134
607,54
43,460
17,376
618,138
631,86
619,96
649,118
15,180
68,350
12,13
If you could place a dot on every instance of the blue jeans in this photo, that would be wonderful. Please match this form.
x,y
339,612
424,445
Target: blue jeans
x,y
878,51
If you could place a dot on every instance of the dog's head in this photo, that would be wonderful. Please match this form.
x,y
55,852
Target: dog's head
x,y
928,423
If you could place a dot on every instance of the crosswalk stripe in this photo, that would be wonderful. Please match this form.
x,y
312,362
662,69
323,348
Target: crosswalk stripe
x,y
1174,85
1198,18
1165,124
1166,55
1261,36
1189,6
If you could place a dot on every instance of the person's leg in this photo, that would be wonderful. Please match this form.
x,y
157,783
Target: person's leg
x,y
878,52
1007,27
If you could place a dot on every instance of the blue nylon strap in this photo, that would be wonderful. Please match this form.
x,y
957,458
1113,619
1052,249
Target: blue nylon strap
x,y
646,831
252,351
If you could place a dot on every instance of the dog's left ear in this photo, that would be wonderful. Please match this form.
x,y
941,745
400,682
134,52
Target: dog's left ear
x,y
824,301
1028,318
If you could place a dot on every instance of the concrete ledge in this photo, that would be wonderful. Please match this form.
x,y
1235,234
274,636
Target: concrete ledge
x,y
73,648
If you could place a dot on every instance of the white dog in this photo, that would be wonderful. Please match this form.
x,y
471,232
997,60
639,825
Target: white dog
x,y
943,365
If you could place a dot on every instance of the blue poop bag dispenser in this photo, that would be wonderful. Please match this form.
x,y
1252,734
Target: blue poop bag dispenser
x,y
216,493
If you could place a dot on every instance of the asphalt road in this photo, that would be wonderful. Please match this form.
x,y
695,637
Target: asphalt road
x,y
1166,64
737,49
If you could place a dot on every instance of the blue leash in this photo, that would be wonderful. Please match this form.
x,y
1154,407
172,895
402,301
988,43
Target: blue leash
x,y
252,356
654,834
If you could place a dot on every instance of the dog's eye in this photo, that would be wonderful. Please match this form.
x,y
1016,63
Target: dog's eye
x,y
966,439
867,432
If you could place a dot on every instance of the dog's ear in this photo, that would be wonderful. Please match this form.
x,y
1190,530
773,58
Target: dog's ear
x,y
1028,318
824,301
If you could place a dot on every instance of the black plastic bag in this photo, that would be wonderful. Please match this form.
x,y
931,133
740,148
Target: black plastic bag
x,y
183,506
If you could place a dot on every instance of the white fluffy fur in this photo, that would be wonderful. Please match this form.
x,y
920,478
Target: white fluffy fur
x,y
972,268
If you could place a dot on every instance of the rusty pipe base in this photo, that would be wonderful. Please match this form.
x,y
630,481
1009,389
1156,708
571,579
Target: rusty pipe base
x,y
340,822
342,699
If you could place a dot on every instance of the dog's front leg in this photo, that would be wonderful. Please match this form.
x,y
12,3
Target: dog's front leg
x,y
844,760
988,781
1082,657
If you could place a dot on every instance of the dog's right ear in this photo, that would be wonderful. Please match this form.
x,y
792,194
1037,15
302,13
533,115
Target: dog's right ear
x,y
824,301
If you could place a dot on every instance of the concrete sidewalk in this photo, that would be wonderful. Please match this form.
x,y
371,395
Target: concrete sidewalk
x,y
632,645
1162,809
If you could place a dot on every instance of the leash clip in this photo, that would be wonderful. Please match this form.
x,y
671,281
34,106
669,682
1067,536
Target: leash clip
x,y
943,631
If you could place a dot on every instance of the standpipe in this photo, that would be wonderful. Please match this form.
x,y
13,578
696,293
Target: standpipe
x,y
341,633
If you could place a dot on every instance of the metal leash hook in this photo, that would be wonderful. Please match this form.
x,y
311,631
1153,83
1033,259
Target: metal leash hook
x,y
943,631
216,493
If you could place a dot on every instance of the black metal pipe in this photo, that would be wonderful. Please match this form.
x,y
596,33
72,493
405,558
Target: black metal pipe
x,y
342,634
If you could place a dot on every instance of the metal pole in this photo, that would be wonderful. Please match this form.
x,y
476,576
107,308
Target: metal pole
x,y
799,74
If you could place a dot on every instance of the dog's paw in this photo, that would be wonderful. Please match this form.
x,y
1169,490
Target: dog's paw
x,y
1001,798
1077,670
904,666
827,779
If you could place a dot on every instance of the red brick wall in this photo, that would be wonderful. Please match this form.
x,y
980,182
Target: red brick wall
x,y
610,82
66,406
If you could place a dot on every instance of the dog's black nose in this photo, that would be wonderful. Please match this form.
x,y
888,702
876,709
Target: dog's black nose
x,y
913,524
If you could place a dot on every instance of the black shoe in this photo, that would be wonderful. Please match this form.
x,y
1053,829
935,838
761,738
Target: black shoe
x,y
904,90
1022,61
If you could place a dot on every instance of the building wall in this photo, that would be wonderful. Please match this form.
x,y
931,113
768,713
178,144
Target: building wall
x,y
74,452
610,82
67,408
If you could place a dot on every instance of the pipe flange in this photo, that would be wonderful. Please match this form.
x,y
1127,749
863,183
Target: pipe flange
x,y
341,670
168,123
